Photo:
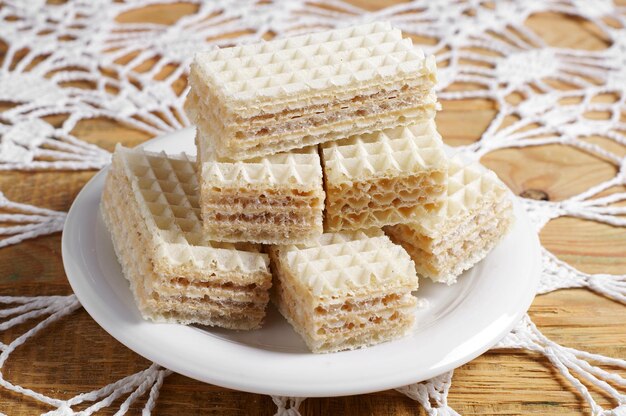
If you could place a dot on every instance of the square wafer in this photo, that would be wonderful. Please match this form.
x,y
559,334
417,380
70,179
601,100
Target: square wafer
x,y
346,291
386,177
476,215
277,199
260,99
150,205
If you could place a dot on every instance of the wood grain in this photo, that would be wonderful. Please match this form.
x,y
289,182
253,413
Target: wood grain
x,y
76,355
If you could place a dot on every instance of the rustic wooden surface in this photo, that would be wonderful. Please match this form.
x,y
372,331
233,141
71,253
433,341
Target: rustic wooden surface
x,y
76,355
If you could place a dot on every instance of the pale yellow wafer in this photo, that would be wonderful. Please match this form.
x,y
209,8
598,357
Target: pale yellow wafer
x,y
150,205
278,199
387,177
346,291
255,100
476,214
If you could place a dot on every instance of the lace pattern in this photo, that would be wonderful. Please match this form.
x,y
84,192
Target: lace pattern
x,y
72,59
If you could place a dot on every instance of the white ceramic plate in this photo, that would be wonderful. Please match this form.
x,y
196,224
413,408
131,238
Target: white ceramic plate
x,y
460,322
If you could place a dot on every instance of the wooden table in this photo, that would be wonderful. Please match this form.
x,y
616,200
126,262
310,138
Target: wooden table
x,y
75,355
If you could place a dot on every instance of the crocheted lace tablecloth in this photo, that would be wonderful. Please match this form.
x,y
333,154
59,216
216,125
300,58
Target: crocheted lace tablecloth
x,y
69,71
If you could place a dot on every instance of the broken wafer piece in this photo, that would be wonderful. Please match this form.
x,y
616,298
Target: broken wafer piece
x,y
476,215
150,206
277,199
260,99
386,177
346,291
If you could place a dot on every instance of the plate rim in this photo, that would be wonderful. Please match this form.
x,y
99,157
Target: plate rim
x,y
243,383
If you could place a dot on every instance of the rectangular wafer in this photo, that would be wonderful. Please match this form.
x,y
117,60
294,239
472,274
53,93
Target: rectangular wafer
x,y
346,291
260,99
476,215
383,178
277,199
150,206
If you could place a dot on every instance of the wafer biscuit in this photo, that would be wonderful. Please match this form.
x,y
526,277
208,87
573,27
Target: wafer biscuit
x,y
346,291
150,205
476,215
278,199
255,100
382,178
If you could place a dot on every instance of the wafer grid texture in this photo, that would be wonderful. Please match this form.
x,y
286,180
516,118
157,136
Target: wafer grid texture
x,y
150,205
255,100
346,291
383,178
476,215
278,199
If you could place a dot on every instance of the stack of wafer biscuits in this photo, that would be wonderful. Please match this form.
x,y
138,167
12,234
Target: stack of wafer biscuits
x,y
308,147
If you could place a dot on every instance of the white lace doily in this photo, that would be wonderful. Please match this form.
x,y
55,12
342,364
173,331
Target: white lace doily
x,y
81,40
